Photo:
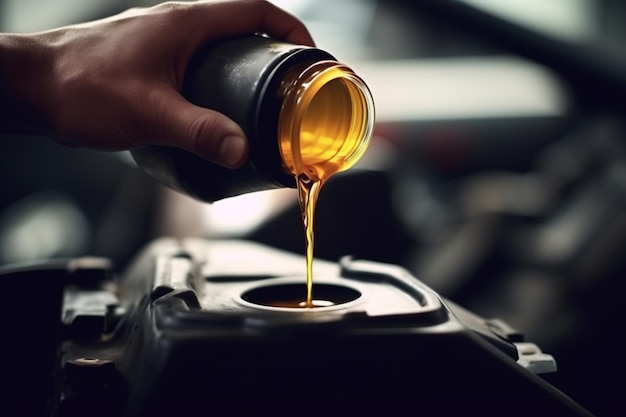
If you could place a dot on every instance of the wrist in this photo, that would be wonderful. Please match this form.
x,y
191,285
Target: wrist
x,y
26,71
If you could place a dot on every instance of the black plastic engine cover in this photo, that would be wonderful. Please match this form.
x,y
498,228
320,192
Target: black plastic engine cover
x,y
188,330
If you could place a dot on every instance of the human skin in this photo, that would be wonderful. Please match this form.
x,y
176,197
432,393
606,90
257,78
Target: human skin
x,y
115,84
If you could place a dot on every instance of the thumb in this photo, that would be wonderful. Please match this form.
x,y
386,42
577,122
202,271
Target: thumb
x,y
203,131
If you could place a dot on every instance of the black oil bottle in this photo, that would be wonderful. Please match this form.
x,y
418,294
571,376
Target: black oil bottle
x,y
303,112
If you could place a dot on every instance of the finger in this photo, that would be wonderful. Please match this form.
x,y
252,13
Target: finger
x,y
202,131
242,17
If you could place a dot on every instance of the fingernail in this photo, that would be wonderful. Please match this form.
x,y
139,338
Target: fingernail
x,y
233,151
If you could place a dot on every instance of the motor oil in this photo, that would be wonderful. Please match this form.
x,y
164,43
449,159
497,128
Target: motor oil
x,y
306,115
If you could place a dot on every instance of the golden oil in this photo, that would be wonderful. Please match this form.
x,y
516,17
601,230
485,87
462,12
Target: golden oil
x,y
325,125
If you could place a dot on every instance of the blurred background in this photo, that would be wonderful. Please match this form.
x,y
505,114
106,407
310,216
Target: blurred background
x,y
497,174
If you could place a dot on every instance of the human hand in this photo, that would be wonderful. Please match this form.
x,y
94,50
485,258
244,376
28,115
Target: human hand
x,y
114,84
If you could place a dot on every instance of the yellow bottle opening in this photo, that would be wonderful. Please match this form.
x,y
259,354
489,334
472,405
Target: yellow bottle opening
x,y
326,121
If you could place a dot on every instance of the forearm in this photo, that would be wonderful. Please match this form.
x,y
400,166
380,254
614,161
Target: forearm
x,y
26,71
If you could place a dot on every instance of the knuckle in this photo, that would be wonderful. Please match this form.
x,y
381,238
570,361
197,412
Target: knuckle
x,y
172,7
258,6
262,4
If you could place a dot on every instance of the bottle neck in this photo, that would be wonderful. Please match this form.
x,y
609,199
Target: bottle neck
x,y
326,119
